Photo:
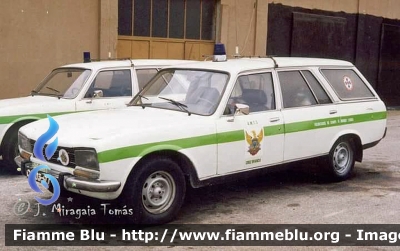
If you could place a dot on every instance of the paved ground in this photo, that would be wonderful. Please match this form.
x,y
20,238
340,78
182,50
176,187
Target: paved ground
x,y
298,195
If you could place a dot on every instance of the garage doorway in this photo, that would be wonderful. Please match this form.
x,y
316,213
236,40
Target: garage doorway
x,y
168,29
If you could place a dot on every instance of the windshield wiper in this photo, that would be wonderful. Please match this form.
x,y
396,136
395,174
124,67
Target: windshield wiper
x,y
141,102
33,93
54,90
141,96
181,106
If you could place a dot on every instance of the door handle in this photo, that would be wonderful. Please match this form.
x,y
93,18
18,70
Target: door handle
x,y
370,109
332,112
275,119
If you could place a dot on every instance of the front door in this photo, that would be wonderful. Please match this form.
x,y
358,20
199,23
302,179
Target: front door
x,y
254,140
110,89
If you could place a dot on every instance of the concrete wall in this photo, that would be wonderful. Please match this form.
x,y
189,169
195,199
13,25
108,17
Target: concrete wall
x,y
108,28
36,36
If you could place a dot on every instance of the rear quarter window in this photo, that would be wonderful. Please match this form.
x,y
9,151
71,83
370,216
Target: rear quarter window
x,y
347,84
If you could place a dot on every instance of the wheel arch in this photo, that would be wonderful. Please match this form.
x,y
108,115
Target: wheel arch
x,y
14,125
355,139
183,161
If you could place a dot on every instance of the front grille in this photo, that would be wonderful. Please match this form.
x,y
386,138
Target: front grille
x,y
53,159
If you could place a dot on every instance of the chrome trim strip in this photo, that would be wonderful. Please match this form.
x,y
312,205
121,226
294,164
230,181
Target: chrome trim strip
x,y
91,185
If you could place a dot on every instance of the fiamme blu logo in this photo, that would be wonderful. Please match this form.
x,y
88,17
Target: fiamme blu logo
x,y
49,151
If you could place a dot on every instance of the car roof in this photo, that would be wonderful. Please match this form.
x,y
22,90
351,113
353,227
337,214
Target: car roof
x,y
246,64
126,63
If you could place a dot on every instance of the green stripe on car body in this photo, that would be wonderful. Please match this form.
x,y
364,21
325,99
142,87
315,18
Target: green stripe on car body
x,y
178,144
141,150
273,130
232,136
13,118
335,121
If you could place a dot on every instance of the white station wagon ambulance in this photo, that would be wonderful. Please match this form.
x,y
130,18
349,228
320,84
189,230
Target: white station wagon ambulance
x,y
205,122
73,88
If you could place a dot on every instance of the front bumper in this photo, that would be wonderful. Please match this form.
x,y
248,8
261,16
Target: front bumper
x,y
70,181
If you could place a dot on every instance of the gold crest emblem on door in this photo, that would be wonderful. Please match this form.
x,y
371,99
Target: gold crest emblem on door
x,y
254,141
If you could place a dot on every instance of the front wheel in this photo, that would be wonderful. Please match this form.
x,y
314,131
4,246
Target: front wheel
x,y
155,191
341,159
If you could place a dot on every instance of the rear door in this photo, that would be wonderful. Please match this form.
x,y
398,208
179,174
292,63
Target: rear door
x,y
309,114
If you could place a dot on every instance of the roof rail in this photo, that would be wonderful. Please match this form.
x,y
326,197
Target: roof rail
x,y
275,63
207,58
108,59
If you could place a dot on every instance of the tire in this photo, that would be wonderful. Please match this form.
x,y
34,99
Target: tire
x,y
10,150
341,159
155,191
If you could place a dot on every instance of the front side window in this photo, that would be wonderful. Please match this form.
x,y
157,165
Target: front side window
x,y
114,83
347,84
144,76
295,90
63,82
192,91
254,90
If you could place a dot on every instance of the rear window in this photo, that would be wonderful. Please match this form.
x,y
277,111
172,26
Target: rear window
x,y
347,84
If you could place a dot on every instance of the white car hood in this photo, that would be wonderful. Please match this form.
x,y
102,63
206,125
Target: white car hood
x,y
86,127
35,104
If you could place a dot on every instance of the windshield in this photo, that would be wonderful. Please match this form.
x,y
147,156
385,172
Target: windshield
x,y
192,91
63,82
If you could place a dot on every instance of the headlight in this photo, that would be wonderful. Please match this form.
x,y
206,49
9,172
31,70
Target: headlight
x,y
24,143
87,158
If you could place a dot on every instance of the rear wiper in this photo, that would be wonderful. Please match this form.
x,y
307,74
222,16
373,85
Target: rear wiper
x,y
178,104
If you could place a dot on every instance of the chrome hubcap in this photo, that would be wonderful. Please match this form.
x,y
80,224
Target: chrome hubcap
x,y
158,192
342,157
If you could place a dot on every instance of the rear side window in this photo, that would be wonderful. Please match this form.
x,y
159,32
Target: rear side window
x,y
347,84
319,92
295,90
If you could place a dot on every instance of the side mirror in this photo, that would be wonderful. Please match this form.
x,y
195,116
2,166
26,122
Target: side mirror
x,y
241,109
98,94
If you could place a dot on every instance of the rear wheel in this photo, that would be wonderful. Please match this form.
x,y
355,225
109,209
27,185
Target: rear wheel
x,y
155,191
341,159
10,150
